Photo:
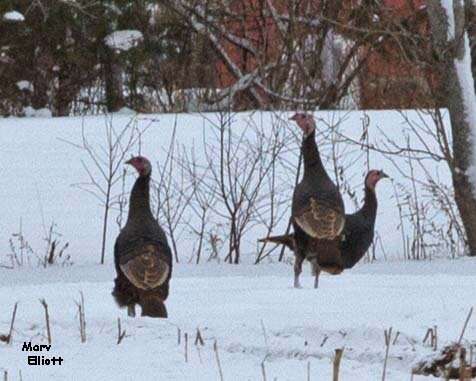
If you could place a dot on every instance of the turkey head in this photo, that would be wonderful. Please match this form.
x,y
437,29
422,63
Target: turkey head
x,y
373,177
141,164
305,122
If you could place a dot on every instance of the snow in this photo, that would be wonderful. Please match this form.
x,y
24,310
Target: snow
x,y
14,16
124,39
25,85
251,312
466,81
125,111
448,7
37,113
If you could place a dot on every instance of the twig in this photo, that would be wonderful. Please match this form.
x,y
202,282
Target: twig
x,y
179,335
396,337
324,340
199,338
264,333
82,318
215,348
263,371
47,318
337,358
465,325
308,371
186,347
388,338
120,334
199,354
12,322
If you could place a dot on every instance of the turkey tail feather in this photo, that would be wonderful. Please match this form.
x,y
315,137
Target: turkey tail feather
x,y
328,255
153,306
147,269
286,240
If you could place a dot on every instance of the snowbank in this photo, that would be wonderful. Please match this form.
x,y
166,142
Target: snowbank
x,y
13,16
124,39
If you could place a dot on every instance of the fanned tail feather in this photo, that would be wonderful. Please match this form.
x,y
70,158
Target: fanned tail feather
x,y
153,306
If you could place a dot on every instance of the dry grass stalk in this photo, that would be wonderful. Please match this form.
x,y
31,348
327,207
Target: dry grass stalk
x,y
186,346
432,335
324,340
264,333
8,338
465,325
82,318
199,338
388,340
120,333
47,319
263,371
215,348
336,364
199,354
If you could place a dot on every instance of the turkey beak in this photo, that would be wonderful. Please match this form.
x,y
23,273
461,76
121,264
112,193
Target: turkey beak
x,y
128,162
383,175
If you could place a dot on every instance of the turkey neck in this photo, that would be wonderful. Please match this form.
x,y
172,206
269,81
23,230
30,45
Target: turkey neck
x,y
139,204
370,203
312,159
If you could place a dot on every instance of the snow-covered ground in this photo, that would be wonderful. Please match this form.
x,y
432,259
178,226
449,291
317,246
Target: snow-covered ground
x,y
253,314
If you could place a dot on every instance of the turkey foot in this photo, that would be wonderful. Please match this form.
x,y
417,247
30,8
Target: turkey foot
x,y
131,310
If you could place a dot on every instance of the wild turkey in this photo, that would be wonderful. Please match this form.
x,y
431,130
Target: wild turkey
x,y
317,213
142,255
359,227
358,230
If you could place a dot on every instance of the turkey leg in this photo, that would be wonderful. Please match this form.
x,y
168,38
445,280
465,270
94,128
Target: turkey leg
x,y
131,310
298,259
316,270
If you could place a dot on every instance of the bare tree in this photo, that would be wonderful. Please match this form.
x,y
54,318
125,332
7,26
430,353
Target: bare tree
x,y
456,90
239,165
172,195
203,200
103,163
292,55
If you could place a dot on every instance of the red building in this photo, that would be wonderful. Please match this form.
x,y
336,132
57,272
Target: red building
x,y
388,78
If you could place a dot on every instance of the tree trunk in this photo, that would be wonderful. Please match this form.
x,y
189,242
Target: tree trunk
x,y
113,80
40,81
452,95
